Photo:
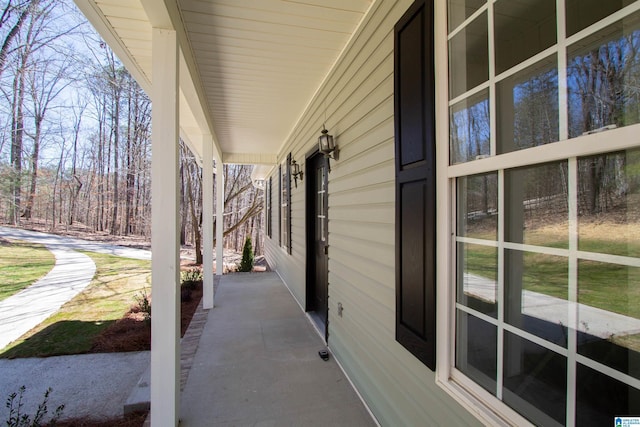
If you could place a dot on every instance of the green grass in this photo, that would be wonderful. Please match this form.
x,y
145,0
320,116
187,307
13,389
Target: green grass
x,y
624,248
21,264
546,274
73,328
481,261
610,287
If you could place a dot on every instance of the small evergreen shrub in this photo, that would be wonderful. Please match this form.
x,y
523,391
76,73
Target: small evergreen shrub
x,y
18,419
144,303
247,256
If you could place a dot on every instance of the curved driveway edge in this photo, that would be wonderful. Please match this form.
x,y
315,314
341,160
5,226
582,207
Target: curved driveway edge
x,y
52,240
21,312
71,273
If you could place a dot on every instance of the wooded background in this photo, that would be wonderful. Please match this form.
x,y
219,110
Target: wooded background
x,y
75,129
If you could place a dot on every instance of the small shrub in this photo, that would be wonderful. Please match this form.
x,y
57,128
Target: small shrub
x,y
190,278
18,419
247,256
144,303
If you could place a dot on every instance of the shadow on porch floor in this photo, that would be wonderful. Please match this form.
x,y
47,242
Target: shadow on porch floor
x,y
257,363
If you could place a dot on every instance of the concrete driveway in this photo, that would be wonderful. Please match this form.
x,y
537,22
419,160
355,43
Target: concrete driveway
x,y
91,385
72,272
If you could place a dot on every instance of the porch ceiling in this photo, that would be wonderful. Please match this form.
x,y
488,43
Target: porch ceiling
x,y
251,66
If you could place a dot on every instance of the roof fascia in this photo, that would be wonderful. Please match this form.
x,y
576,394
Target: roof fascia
x,y
95,16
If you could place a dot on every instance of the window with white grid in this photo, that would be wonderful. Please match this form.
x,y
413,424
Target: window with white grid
x,y
544,165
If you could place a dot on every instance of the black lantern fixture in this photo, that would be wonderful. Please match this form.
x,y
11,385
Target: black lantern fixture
x,y
327,146
296,172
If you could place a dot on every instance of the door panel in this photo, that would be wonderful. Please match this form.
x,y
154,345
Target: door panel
x,y
317,240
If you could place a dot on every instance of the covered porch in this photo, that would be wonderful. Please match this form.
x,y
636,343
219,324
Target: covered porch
x,y
257,363
233,80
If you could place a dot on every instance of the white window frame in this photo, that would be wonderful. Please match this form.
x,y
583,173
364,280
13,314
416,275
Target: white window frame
x,y
285,206
484,405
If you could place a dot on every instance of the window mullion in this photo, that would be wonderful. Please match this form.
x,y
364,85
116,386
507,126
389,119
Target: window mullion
x,y
501,301
492,82
563,110
572,327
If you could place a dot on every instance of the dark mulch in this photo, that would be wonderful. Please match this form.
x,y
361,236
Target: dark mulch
x,y
132,420
133,333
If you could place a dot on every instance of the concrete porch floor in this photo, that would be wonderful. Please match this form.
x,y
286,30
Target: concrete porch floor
x,y
257,363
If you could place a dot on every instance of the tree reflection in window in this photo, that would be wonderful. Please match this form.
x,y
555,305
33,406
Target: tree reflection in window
x,y
603,78
470,129
527,105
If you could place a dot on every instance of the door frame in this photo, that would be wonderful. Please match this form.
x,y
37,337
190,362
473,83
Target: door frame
x,y
310,219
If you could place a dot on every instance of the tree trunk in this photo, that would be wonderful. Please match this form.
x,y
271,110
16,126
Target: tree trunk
x,y
17,133
34,167
116,142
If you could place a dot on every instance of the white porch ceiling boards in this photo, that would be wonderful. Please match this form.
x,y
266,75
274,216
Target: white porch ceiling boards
x,y
261,61
258,63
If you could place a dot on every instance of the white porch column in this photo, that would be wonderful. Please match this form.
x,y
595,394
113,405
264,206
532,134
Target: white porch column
x,y
207,221
219,217
165,264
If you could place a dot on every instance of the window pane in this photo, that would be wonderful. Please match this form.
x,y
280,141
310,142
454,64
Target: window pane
x,y
601,398
603,76
477,278
609,203
470,128
478,206
476,344
535,381
460,10
320,207
523,28
527,107
536,205
582,13
536,292
469,57
609,315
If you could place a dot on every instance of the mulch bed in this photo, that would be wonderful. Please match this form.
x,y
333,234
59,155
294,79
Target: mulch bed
x,y
132,420
133,332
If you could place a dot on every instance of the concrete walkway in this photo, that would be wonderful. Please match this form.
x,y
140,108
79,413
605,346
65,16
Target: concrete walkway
x,y
21,312
72,272
89,385
94,386
257,364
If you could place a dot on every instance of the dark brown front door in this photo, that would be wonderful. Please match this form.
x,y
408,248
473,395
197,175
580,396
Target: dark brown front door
x,y
317,243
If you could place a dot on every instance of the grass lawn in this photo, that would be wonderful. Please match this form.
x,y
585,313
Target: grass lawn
x,y
73,328
21,264
610,287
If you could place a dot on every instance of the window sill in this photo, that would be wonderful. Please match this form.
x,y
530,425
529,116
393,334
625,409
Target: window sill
x,y
483,405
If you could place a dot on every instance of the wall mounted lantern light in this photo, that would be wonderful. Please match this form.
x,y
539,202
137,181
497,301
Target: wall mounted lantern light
x,y
327,146
296,172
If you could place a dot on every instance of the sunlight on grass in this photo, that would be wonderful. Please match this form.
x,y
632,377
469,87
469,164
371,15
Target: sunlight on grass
x,y
73,328
610,287
22,264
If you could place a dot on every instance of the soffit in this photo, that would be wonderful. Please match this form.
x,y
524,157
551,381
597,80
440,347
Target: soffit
x,y
261,62
256,65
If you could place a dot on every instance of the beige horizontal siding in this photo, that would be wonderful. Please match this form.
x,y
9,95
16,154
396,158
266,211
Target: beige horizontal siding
x,y
356,105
